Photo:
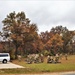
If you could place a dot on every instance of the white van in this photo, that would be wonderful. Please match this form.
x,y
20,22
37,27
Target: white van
x,y
4,57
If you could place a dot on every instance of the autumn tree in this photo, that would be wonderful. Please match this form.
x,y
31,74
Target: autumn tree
x,y
18,29
67,41
38,45
59,29
55,44
66,36
30,36
45,36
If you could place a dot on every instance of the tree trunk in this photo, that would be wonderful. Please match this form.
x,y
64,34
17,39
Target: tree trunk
x,y
16,51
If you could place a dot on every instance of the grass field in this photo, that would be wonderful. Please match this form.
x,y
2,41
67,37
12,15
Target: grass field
x,y
65,65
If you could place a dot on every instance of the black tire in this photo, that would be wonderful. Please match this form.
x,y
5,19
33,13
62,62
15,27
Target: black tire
x,y
4,61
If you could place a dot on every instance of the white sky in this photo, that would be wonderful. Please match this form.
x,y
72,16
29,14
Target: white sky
x,y
45,13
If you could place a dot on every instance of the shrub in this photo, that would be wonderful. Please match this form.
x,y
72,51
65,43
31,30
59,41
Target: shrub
x,y
46,53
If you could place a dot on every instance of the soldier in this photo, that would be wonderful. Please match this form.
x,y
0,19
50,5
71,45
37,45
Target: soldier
x,y
60,56
19,57
48,59
52,59
42,58
66,56
36,58
56,58
29,59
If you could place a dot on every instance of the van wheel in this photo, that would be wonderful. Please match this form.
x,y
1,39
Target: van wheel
x,y
4,61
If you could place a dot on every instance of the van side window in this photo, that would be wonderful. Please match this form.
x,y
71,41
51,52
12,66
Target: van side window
x,y
4,55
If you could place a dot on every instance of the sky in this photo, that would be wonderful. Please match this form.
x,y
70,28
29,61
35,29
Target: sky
x,y
45,13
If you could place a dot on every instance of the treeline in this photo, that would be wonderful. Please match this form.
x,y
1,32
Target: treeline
x,y
22,37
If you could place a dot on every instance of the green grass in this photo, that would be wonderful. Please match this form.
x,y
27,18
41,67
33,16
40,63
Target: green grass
x,y
65,65
51,67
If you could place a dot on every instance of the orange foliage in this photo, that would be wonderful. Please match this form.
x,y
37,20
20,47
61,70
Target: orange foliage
x,y
55,42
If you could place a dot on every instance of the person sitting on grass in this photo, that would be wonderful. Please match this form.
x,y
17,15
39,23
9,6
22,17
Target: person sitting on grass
x,y
56,58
